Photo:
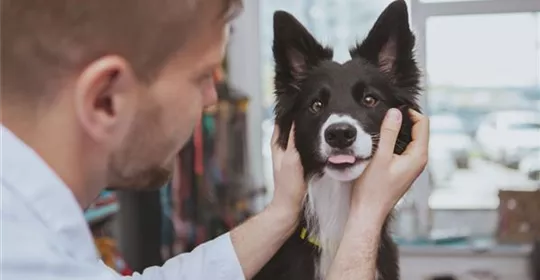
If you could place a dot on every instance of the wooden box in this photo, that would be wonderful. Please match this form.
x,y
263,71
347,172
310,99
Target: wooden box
x,y
519,216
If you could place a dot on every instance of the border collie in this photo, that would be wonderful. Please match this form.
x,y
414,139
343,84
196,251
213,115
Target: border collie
x,y
338,110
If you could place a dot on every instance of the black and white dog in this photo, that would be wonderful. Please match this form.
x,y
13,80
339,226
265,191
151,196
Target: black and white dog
x,y
338,110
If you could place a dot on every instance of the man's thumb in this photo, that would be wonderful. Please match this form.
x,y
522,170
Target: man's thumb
x,y
389,132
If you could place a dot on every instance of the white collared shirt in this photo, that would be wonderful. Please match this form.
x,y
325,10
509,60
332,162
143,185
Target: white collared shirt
x,y
44,236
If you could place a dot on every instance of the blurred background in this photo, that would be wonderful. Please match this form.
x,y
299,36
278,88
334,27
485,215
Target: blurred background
x,y
475,211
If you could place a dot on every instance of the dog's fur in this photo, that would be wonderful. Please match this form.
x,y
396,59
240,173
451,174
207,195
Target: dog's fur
x,y
341,104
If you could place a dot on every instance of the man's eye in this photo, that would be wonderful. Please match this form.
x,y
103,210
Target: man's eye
x,y
205,78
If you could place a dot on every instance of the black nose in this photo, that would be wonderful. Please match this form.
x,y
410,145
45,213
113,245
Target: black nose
x,y
340,135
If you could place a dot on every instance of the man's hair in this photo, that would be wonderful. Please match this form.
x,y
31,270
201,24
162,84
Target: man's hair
x,y
44,41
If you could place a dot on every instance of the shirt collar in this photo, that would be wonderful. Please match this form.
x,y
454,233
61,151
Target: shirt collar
x,y
45,194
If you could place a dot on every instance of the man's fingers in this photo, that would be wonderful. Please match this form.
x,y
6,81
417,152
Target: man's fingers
x,y
420,135
275,136
389,133
290,142
420,129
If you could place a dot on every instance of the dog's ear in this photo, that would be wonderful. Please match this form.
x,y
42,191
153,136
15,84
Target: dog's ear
x,y
389,45
295,51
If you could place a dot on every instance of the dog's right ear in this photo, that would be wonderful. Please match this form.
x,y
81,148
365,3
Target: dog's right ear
x,y
295,51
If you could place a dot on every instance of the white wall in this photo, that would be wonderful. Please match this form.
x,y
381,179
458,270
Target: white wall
x,y
245,75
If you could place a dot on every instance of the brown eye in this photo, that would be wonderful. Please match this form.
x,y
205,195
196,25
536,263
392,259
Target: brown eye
x,y
316,106
370,101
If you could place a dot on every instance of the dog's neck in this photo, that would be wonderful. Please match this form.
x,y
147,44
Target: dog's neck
x,y
327,210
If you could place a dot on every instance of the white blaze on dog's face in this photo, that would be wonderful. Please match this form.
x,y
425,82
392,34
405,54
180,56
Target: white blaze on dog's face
x,y
346,146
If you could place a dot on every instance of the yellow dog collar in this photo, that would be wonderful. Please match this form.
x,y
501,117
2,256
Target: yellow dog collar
x,y
310,239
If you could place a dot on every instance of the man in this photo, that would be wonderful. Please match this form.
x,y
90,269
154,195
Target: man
x,y
105,93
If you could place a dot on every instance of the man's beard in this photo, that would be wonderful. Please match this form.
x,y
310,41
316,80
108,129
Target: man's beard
x,y
140,163
137,168
148,180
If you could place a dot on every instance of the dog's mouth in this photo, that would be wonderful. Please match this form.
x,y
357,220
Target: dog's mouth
x,y
344,161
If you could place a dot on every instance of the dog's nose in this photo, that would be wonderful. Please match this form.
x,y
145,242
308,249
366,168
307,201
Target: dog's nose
x,y
340,135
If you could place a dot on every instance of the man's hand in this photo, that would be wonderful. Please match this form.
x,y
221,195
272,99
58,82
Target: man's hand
x,y
383,183
258,239
388,175
289,184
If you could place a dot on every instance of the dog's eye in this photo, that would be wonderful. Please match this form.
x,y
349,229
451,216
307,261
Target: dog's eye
x,y
316,106
370,101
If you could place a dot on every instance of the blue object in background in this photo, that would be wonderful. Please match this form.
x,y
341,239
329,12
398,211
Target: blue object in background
x,y
96,213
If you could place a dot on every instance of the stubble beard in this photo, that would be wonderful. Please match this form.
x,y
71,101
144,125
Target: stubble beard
x,y
138,165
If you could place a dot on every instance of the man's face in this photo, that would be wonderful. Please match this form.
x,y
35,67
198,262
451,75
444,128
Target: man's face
x,y
168,110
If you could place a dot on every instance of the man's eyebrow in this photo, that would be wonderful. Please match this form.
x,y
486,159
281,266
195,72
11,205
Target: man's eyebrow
x,y
211,67
207,70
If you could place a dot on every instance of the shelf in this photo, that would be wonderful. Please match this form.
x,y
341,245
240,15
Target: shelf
x,y
471,246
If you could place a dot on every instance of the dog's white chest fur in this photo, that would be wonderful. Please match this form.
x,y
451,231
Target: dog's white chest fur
x,y
327,212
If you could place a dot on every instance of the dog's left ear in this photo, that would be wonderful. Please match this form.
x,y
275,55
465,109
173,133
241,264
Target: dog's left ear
x,y
389,45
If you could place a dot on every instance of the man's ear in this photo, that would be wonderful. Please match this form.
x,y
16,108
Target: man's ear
x,y
389,45
295,51
105,98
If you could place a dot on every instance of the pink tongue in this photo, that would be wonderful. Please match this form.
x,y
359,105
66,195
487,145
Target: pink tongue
x,y
341,159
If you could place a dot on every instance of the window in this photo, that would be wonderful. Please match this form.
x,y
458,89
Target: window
x,y
486,51
479,65
483,68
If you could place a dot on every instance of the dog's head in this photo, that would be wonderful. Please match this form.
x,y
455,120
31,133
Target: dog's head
x,y
338,108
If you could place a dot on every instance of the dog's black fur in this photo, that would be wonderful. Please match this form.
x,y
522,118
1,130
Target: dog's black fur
x,y
382,67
